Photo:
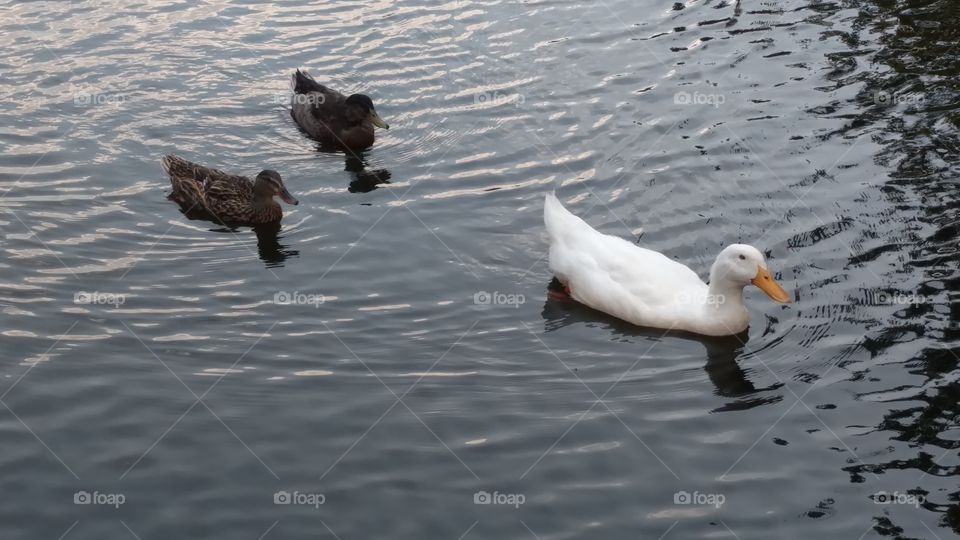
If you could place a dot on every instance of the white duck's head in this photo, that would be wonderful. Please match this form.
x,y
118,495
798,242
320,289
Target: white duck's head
x,y
739,265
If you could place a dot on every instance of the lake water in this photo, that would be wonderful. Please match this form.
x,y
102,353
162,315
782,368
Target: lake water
x,y
422,383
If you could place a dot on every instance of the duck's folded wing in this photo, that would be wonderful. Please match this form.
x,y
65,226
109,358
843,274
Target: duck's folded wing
x,y
181,168
629,282
643,277
223,188
648,276
302,83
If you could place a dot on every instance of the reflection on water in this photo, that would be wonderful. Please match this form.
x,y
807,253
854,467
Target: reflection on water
x,y
362,179
911,104
721,354
269,248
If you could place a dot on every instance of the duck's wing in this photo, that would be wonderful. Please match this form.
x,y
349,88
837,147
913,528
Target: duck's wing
x,y
177,167
202,187
229,198
221,189
611,274
303,84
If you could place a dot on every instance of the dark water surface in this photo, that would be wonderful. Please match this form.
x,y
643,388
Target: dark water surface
x,y
146,359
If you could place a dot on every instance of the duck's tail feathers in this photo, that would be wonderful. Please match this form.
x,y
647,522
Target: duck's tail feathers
x,y
557,184
302,83
554,216
186,189
560,222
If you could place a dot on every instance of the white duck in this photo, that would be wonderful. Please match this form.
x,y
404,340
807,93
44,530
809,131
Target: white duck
x,y
647,288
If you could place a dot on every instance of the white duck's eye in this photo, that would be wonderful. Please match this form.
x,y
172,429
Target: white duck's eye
x,y
743,257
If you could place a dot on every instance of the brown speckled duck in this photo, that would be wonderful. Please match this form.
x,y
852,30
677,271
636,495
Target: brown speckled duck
x,y
226,198
330,117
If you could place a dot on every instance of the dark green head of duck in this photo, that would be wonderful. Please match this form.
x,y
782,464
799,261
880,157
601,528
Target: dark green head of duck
x,y
360,108
269,184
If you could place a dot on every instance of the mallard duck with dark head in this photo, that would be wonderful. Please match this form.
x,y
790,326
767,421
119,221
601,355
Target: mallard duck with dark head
x,y
226,198
332,118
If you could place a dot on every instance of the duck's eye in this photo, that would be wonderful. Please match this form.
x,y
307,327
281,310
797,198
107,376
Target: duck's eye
x,y
743,257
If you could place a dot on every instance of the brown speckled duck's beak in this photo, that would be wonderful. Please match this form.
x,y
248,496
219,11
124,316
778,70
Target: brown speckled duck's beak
x,y
287,197
376,120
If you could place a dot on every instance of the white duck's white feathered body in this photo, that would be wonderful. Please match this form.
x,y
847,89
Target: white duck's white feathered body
x,y
638,285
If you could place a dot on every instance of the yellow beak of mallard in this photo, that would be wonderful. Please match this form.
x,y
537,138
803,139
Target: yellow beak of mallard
x,y
375,119
767,284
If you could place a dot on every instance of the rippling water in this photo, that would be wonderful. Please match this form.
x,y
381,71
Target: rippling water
x,y
151,357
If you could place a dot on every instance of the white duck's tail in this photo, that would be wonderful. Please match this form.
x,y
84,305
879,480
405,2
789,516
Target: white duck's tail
x,y
559,221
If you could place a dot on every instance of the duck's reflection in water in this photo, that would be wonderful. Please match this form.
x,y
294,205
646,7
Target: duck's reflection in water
x,y
728,378
271,251
363,180
269,248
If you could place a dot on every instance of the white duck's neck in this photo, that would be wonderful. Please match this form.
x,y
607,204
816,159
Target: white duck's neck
x,y
723,308
723,293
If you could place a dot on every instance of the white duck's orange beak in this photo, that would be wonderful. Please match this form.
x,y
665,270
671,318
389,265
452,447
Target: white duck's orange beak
x,y
765,282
